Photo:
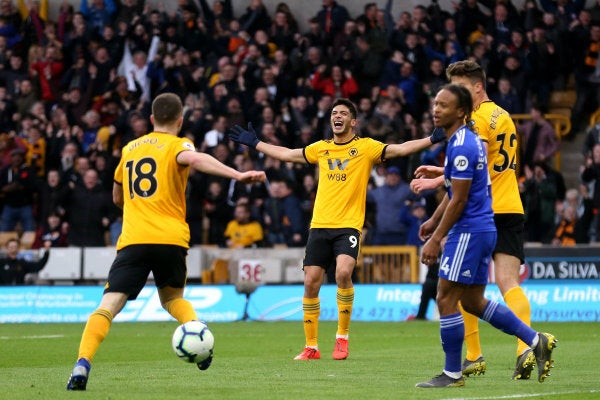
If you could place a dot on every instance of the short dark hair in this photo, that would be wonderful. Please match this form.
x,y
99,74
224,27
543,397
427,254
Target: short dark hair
x,y
348,103
166,108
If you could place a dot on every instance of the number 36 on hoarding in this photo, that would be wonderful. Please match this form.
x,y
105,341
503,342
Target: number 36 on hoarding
x,y
250,271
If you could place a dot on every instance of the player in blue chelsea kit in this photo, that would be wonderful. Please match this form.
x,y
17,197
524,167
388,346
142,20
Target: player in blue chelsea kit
x,y
466,218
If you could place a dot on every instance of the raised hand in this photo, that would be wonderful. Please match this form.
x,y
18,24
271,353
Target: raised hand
x,y
243,136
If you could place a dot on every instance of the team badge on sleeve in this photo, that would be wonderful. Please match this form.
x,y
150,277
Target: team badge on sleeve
x,y
188,146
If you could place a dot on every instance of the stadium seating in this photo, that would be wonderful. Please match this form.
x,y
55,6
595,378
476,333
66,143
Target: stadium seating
x,y
561,124
562,102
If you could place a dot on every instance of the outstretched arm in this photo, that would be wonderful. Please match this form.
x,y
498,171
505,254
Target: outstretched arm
x,y
413,146
249,138
209,165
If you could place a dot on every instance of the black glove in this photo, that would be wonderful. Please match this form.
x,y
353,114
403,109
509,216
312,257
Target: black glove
x,y
243,136
438,135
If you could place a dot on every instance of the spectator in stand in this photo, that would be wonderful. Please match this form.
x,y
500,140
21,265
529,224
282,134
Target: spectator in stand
x,y
581,202
98,13
51,197
592,138
543,65
17,184
15,268
89,131
13,73
216,135
412,214
564,234
26,97
540,141
243,232
565,10
218,17
88,212
388,200
283,219
255,192
217,211
36,151
255,18
468,16
35,15
331,18
134,67
48,72
138,128
590,175
8,109
515,71
338,83
308,194
282,32
8,143
435,78
507,97
538,193
52,231
501,26
587,77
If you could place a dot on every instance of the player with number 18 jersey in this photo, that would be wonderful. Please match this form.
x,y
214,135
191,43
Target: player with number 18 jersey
x,y
154,191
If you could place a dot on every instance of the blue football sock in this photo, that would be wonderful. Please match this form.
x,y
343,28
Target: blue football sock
x,y
500,317
452,332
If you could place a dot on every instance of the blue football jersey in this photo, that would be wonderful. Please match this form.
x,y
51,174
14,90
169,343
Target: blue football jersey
x,y
466,159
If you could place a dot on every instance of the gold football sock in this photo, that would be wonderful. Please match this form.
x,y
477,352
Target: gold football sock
x,y
471,335
312,310
518,303
96,329
345,299
181,310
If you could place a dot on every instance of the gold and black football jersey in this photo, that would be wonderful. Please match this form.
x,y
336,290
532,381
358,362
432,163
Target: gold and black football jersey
x,y
495,126
344,171
154,191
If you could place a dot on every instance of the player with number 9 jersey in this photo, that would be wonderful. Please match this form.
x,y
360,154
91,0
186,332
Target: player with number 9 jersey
x,y
154,191
344,171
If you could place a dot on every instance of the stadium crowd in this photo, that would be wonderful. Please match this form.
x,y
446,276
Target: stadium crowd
x,y
75,90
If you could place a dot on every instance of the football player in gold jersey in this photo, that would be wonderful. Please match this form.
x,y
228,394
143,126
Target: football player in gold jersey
x,y
497,131
345,163
149,185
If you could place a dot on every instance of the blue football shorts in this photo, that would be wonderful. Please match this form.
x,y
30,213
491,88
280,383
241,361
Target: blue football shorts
x,y
466,257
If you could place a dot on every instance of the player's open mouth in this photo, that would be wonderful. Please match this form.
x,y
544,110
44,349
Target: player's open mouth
x,y
338,124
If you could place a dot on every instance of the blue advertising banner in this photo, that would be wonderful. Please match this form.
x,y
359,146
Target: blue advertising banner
x,y
551,301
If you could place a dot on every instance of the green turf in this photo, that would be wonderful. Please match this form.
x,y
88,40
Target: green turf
x,y
253,360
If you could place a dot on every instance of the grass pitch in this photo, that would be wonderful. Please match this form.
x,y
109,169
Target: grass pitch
x,y
253,360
